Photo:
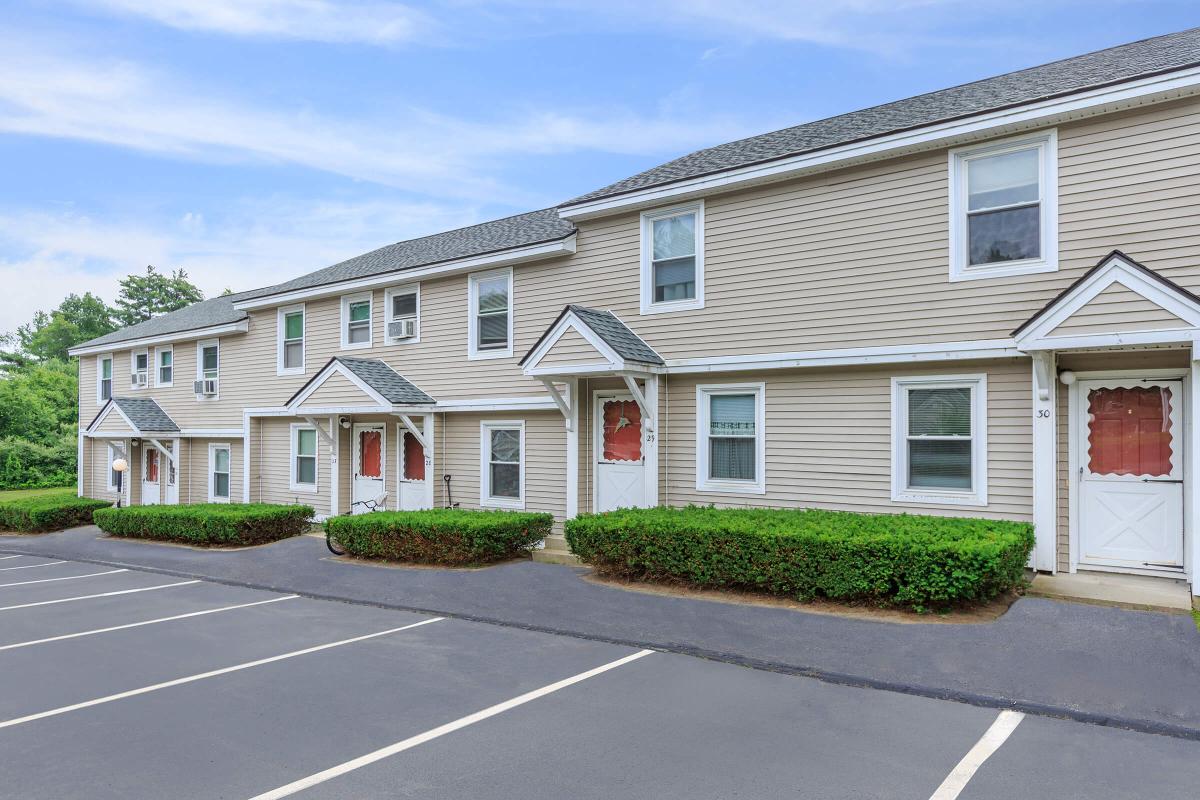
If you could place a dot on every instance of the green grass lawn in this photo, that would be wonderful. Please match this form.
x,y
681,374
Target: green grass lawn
x,y
17,494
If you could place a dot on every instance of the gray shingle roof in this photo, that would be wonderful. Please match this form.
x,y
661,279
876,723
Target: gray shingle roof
x,y
205,314
382,378
146,415
1068,76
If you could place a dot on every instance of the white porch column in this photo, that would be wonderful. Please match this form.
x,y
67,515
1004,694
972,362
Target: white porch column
x,y
334,448
1191,489
430,433
1045,463
573,450
652,437
246,457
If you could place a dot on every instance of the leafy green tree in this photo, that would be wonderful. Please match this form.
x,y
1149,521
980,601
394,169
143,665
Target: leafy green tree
x,y
49,335
38,408
146,296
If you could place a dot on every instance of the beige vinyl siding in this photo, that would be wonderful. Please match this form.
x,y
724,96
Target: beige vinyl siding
x,y
572,349
338,390
270,465
828,440
1118,309
96,466
197,468
113,422
1092,362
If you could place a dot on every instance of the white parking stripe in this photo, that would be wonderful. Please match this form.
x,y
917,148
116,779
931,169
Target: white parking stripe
x,y
1003,726
6,558
54,712
441,730
31,566
146,622
68,578
94,596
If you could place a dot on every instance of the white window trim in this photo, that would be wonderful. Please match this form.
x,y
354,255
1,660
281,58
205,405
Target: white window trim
x,y
358,297
212,463
485,458
113,455
703,409
473,353
133,370
648,306
960,269
280,330
158,351
200,345
901,493
308,488
411,288
112,371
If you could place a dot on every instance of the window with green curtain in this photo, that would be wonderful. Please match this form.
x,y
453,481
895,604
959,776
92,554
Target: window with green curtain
x,y
358,326
306,456
293,340
939,437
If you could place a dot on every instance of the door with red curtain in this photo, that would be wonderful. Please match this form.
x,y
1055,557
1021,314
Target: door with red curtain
x,y
1130,453
414,471
619,449
368,492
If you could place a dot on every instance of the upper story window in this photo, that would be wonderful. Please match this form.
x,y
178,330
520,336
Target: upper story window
x,y
140,362
491,319
165,366
1004,208
673,259
356,321
939,433
731,440
104,373
403,309
290,347
208,368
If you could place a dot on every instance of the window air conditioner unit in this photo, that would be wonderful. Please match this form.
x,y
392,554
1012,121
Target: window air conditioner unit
x,y
402,328
206,387
137,379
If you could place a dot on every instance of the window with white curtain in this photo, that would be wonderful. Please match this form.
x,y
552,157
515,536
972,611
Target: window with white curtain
x,y
491,323
218,473
502,464
730,438
939,439
673,259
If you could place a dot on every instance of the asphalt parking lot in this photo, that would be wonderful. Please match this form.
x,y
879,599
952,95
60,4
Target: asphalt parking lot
x,y
124,684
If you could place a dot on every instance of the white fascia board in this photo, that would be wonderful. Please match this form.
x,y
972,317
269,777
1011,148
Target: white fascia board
x,y
1103,100
241,326
211,433
518,255
854,356
497,404
1166,336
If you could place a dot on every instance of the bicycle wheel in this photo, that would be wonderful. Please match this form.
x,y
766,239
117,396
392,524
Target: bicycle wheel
x,y
333,545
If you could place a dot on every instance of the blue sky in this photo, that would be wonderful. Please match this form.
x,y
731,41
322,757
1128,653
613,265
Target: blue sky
x,y
248,141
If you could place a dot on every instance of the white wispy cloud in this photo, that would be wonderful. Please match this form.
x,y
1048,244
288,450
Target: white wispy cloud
x,y
367,21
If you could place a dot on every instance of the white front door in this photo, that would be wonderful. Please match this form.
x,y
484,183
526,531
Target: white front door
x,y
620,452
367,492
414,469
151,474
1130,453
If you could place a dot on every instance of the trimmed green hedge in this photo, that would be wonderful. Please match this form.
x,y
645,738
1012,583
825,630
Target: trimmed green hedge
x,y
887,559
207,523
446,536
48,512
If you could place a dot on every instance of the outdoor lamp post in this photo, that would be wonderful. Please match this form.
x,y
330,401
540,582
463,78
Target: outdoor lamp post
x,y
120,465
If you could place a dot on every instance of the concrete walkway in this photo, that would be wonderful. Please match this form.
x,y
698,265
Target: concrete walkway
x,y
1133,669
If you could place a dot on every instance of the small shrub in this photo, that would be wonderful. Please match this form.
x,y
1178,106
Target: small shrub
x,y
887,559
53,511
207,523
447,536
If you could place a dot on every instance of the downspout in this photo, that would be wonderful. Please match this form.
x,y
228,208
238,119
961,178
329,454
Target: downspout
x,y
664,441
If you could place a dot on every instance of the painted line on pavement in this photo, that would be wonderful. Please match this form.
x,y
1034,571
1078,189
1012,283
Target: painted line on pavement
x,y
94,596
1001,728
31,566
54,712
441,730
6,558
146,622
68,578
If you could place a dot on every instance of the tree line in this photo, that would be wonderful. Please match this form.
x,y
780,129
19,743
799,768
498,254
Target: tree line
x,y
39,385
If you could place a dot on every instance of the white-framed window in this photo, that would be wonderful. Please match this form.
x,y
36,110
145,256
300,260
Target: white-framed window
x,y
673,258
218,472
939,439
208,369
164,366
139,369
104,375
502,464
113,476
402,314
1004,208
356,320
490,304
303,471
731,438
290,340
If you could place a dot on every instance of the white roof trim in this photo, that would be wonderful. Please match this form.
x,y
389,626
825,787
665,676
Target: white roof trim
x,y
1115,269
241,326
849,356
516,255
1103,100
